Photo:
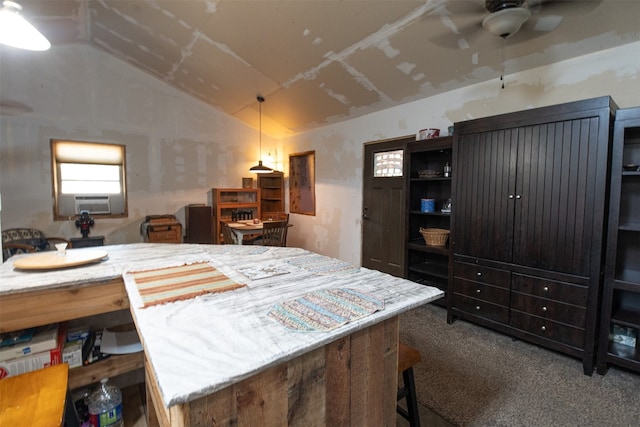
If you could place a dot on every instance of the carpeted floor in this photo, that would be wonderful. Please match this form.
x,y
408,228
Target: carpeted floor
x,y
472,376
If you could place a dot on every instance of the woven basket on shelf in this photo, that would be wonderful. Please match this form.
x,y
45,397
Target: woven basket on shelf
x,y
435,236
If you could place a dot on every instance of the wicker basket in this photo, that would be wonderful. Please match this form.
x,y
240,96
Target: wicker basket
x,y
435,236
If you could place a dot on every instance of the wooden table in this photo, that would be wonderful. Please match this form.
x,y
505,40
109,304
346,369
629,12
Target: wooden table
x,y
245,228
218,357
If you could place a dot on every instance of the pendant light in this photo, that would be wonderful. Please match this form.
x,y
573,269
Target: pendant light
x,y
18,32
260,168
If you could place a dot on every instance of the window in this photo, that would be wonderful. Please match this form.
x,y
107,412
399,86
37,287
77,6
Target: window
x,y
388,163
88,176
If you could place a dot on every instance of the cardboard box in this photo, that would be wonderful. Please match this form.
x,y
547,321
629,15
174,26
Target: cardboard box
x,y
72,354
44,339
20,365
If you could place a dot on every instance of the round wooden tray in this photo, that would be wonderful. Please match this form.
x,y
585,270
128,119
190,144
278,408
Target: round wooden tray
x,y
51,260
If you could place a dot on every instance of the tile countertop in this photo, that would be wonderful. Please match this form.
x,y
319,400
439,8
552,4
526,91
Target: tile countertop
x,y
199,346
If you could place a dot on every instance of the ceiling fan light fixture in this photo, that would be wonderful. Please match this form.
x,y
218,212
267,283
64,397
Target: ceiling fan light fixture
x,y
260,168
506,22
18,32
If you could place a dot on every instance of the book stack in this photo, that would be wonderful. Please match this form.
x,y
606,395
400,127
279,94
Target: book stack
x,y
31,349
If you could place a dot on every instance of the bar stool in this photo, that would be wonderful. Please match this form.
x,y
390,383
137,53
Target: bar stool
x,y
44,389
407,358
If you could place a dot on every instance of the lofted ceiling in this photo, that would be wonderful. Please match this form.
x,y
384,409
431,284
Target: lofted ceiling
x,y
323,61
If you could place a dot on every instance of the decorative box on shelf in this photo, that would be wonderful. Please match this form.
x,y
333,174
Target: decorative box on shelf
x,y
161,229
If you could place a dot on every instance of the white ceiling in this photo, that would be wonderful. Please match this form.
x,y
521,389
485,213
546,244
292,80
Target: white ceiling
x,y
323,61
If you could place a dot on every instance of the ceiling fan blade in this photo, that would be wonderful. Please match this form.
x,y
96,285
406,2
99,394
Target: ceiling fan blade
x,y
562,7
449,15
462,39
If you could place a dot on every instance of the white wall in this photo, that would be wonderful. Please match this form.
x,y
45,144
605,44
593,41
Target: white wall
x,y
178,147
336,229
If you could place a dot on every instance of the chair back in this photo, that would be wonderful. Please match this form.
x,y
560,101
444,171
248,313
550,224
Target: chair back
x,y
229,237
241,215
22,240
274,233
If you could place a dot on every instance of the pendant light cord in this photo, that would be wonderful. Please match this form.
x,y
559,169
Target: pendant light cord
x,y
260,99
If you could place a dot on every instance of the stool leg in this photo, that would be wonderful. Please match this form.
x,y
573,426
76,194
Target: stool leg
x,y
412,403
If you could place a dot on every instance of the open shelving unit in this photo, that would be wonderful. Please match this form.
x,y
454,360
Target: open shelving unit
x,y
621,295
428,265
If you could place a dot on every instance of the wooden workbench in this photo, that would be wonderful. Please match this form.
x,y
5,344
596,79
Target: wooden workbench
x,y
345,377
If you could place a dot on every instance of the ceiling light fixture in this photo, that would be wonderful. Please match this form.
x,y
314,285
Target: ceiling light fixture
x,y
506,22
259,168
18,32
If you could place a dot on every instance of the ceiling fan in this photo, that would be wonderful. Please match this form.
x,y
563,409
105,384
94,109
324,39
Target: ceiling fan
x,y
505,18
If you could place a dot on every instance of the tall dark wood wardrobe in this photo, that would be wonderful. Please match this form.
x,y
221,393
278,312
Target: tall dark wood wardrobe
x,y
528,224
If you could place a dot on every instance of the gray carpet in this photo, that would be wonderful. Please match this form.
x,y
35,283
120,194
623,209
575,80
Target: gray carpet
x,y
472,376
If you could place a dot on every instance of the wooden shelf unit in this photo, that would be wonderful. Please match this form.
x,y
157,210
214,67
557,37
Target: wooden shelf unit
x,y
271,187
30,308
224,201
428,265
621,294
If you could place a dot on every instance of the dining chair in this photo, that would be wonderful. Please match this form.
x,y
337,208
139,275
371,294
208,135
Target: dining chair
x,y
229,237
274,233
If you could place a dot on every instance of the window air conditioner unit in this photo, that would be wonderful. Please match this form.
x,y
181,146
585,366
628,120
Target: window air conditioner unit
x,y
93,204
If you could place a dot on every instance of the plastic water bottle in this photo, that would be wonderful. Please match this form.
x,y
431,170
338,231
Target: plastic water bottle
x,y
105,406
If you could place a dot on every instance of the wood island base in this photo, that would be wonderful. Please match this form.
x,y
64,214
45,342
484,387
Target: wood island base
x,y
339,384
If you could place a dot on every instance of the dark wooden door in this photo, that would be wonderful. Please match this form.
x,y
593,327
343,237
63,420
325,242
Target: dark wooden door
x,y
383,212
484,194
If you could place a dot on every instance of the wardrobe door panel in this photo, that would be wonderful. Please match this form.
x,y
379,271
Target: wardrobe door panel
x,y
484,209
554,210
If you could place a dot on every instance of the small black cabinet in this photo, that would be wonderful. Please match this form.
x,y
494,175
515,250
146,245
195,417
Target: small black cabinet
x,y
86,242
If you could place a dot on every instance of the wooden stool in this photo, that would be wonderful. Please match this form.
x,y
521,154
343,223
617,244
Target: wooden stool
x,y
44,389
407,358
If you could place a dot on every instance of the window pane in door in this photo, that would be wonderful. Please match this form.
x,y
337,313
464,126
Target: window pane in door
x,y
388,163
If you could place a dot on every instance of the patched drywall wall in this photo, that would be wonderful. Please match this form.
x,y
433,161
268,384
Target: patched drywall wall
x,y
336,229
178,148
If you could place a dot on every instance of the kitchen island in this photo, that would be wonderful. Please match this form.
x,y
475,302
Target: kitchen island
x,y
219,358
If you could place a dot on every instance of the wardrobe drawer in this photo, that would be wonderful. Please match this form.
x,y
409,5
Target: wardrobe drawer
x,y
478,290
546,328
482,274
550,289
549,309
481,308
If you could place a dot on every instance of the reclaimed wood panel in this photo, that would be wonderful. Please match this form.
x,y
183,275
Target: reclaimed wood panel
x,y
35,308
350,382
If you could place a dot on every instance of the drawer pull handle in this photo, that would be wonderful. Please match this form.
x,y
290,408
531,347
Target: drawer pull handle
x,y
544,308
477,307
477,291
544,328
546,289
478,274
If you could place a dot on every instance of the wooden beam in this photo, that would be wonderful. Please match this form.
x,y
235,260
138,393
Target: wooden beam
x,y
35,308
